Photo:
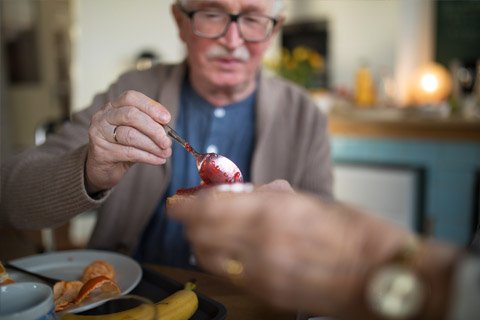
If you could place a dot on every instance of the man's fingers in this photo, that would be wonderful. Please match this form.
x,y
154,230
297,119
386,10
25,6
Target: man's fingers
x,y
277,185
130,116
129,136
130,154
145,104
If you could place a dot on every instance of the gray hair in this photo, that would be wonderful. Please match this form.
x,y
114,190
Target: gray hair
x,y
277,5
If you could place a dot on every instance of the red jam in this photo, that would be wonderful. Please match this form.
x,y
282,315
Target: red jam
x,y
190,191
214,169
217,171
188,147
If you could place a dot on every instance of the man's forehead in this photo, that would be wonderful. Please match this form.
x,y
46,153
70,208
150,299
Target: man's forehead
x,y
235,5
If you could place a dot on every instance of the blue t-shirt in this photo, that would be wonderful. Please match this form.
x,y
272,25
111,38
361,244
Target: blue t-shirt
x,y
228,131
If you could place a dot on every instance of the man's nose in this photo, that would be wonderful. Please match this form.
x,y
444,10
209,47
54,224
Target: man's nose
x,y
232,38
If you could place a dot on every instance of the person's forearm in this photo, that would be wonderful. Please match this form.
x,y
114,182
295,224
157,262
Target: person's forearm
x,y
44,190
433,262
434,265
437,266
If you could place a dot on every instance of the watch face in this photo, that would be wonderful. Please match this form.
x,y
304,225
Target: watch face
x,y
396,292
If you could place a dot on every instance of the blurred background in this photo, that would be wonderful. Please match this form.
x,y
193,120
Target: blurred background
x,y
398,79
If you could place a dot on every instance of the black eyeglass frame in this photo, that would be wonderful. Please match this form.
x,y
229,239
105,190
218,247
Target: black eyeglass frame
x,y
233,18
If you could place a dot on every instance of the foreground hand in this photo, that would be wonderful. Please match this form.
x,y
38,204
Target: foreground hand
x,y
276,185
295,251
127,130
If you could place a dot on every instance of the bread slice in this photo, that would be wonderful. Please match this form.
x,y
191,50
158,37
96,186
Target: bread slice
x,y
182,196
4,276
176,199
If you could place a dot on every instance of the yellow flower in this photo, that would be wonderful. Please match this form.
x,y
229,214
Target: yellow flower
x,y
301,53
300,65
291,64
316,60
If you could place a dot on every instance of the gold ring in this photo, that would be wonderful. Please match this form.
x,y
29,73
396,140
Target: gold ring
x,y
233,267
115,134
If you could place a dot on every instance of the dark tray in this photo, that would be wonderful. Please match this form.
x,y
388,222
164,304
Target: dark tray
x,y
156,286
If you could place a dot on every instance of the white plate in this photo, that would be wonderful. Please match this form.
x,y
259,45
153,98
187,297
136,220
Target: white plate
x,y
69,265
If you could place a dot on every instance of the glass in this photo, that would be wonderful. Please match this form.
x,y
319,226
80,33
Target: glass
x,y
212,23
124,307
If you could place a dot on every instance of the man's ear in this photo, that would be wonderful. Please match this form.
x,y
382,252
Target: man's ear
x,y
279,25
179,20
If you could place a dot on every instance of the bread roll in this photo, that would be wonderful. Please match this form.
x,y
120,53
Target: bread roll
x,y
4,276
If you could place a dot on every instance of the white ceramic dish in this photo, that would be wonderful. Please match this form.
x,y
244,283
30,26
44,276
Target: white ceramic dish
x,y
26,300
69,265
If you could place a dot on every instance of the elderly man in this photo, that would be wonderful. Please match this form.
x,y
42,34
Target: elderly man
x,y
116,156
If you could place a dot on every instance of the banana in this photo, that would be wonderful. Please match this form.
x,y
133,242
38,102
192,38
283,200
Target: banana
x,y
180,305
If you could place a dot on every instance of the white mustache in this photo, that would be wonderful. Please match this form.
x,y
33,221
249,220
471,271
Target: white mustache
x,y
240,53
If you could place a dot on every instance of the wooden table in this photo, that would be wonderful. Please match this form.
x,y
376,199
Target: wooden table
x,y
402,124
240,304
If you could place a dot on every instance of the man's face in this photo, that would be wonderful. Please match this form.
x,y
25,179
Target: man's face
x,y
227,62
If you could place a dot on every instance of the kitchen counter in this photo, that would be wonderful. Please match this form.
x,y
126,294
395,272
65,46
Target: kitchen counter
x,y
402,123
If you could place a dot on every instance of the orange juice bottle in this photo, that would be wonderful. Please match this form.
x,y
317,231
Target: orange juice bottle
x,y
364,88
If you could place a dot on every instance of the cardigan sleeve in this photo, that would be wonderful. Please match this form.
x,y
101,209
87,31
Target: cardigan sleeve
x,y
44,185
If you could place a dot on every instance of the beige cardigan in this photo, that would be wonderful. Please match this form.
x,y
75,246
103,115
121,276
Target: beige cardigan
x,y
44,186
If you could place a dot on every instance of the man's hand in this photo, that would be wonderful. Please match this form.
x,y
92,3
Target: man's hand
x,y
293,249
126,131
277,185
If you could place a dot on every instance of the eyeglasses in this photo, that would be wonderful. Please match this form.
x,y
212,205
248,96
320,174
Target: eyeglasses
x,y
212,24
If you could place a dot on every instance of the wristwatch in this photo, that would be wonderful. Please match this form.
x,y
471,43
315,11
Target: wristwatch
x,y
396,290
